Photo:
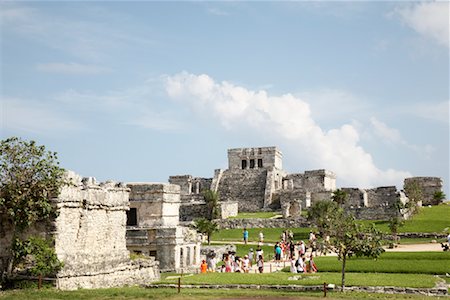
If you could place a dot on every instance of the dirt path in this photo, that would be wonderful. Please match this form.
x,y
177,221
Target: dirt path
x,y
417,248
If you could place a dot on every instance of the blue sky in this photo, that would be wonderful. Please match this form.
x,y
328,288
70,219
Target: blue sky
x,y
139,91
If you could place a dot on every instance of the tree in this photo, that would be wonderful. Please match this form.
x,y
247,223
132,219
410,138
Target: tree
x,y
347,238
212,204
394,224
319,215
340,197
415,196
206,226
438,197
29,177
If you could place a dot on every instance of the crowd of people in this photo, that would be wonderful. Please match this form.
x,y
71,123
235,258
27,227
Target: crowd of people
x,y
286,250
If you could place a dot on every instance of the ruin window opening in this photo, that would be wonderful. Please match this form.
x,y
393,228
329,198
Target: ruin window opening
x,y
153,253
244,164
260,163
252,163
132,217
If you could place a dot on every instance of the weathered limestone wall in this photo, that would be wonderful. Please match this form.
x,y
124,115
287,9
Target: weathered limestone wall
x,y
228,209
190,185
90,237
312,181
247,187
262,223
428,185
157,204
385,196
270,157
193,210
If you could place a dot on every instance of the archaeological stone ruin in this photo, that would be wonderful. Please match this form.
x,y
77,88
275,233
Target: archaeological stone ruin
x,y
99,224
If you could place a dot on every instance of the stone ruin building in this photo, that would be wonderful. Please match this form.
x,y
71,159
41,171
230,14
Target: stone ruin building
x,y
255,180
153,227
89,237
428,187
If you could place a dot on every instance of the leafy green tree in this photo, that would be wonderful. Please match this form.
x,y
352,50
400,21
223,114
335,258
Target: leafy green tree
x,y
212,204
319,215
415,195
41,253
348,238
394,224
438,197
29,177
340,197
206,226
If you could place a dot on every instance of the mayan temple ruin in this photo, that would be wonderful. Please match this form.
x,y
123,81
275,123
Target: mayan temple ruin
x,y
99,224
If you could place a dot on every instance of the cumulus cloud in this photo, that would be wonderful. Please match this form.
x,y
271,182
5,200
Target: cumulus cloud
x,y
430,19
72,68
286,117
393,136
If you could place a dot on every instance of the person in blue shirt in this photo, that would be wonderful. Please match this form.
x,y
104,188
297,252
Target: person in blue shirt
x,y
245,235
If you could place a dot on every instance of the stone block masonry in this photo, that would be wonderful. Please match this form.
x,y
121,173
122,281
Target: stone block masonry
x,y
428,187
90,237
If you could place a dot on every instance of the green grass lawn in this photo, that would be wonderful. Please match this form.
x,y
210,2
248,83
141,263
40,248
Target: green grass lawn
x,y
271,235
391,262
256,215
137,293
282,278
429,219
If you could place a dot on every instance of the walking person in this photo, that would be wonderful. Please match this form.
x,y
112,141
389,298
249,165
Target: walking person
x,y
245,235
260,264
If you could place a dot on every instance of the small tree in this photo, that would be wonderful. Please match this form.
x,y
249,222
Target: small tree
x,y
415,196
347,238
206,226
394,224
438,197
340,197
212,204
319,215
29,177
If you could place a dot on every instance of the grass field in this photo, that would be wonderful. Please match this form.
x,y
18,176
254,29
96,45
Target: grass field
x,y
282,278
429,219
137,293
392,262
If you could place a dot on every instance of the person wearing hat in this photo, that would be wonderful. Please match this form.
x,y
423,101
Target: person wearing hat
x,y
250,256
245,264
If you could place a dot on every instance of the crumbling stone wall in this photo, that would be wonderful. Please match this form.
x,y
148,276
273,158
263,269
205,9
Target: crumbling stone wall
x,y
90,237
428,187
157,232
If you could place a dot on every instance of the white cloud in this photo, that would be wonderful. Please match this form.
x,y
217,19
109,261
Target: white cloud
x,y
430,19
288,119
432,111
393,136
72,68
35,117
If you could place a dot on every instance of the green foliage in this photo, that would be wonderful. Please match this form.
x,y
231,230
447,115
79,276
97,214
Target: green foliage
x,y
29,177
41,254
414,193
340,197
206,226
320,215
438,197
212,203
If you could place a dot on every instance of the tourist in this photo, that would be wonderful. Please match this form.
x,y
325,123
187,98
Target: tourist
x,y
293,266
259,252
277,254
203,266
300,264
312,265
245,264
292,249
260,264
222,269
227,263
211,262
251,256
237,265
302,248
245,236
261,237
